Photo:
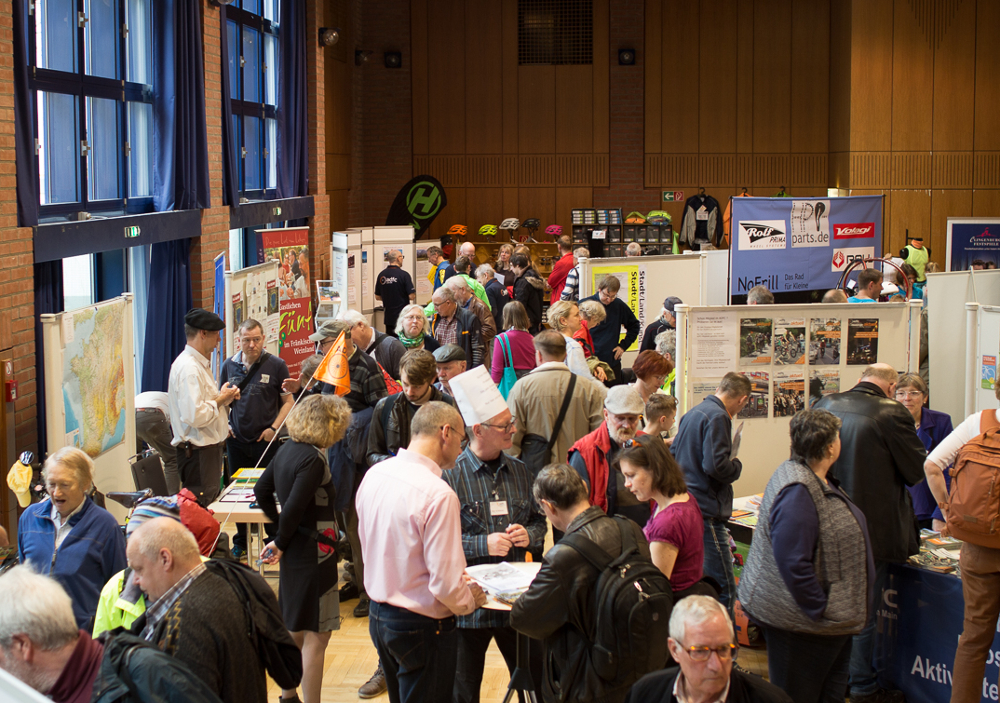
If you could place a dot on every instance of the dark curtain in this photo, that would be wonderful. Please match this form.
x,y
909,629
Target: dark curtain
x,y
27,177
48,300
230,188
180,138
169,300
293,125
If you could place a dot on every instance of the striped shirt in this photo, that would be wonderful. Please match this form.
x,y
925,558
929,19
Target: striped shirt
x,y
479,490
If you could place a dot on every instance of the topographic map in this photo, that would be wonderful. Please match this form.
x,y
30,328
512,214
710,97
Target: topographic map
x,y
94,378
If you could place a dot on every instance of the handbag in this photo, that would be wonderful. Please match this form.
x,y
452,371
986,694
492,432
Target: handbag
x,y
509,374
536,451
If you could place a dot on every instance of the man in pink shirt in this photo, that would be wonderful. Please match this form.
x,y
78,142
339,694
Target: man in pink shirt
x,y
562,267
411,536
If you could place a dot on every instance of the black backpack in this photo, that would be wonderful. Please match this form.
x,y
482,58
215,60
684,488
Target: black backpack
x,y
275,646
633,605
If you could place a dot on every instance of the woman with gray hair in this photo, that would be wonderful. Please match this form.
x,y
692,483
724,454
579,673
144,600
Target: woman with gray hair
x,y
809,575
70,537
299,477
411,329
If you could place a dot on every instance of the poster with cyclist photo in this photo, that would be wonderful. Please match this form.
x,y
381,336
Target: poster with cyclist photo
x,y
789,341
862,342
760,387
823,382
755,341
824,341
789,393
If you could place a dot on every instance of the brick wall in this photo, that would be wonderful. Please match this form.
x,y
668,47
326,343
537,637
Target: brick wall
x,y
17,311
384,112
319,225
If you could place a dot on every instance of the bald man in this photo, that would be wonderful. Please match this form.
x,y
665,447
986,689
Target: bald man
x,y
880,456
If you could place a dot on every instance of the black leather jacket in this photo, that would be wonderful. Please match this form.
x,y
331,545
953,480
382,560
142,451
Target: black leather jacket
x,y
560,609
385,439
880,455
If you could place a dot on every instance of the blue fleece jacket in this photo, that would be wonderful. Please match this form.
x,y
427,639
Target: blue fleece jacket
x,y
93,552
702,447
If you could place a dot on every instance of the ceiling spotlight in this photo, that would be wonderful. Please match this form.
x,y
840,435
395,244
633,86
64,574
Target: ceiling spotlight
x,y
393,59
361,57
328,36
626,57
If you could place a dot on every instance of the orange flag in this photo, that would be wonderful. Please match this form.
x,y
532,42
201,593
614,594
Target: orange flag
x,y
333,369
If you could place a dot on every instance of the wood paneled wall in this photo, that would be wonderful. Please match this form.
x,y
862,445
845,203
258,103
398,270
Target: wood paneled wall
x,y
737,95
505,140
923,126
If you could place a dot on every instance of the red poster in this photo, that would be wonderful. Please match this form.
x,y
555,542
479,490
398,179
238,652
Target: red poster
x,y
290,248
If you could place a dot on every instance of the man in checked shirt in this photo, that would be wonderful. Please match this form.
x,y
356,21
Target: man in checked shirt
x,y
500,522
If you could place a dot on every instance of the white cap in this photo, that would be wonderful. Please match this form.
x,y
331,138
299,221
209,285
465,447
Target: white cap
x,y
477,396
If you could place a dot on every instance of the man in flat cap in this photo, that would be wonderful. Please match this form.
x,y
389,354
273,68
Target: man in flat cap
x,y
199,412
451,361
666,321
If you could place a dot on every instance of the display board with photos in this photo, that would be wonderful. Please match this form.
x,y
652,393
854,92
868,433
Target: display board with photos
x,y
793,355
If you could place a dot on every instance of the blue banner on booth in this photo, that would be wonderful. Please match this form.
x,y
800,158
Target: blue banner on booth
x,y
799,244
969,241
920,617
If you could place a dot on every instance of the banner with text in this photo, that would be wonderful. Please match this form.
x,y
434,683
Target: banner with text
x,y
799,244
632,292
973,240
920,617
289,246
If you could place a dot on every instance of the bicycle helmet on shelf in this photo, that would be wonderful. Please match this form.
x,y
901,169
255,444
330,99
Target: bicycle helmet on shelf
x,y
488,231
510,223
458,230
531,224
658,217
553,231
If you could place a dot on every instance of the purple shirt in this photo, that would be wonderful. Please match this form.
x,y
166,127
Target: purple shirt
x,y
522,351
681,525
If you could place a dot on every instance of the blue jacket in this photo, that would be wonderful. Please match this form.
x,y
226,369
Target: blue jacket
x,y
702,447
91,554
934,427
607,335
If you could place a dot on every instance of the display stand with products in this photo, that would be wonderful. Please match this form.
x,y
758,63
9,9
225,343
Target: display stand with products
x,y
253,292
793,355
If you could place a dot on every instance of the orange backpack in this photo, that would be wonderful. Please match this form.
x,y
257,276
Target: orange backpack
x,y
974,498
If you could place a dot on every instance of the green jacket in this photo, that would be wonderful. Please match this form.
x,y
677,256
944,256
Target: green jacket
x,y
116,607
477,290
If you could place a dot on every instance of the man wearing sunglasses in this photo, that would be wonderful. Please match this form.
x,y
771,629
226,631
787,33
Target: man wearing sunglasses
x,y
703,644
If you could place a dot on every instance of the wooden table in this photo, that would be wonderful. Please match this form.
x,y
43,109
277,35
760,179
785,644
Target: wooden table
x,y
240,511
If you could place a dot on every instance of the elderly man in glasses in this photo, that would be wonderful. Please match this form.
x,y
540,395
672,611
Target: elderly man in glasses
x,y
703,643
500,522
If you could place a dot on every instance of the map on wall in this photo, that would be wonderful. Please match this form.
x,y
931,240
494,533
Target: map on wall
x,y
94,377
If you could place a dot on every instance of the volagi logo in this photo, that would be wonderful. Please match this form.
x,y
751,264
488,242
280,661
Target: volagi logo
x,y
842,258
762,234
856,230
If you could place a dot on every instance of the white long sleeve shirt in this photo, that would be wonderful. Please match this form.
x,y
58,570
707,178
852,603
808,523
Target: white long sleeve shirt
x,y
194,415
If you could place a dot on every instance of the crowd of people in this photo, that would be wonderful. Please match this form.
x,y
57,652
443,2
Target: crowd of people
x,y
469,430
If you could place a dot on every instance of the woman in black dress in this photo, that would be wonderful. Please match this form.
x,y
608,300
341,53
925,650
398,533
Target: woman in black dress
x,y
299,477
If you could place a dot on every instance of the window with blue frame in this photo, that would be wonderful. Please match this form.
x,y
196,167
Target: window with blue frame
x,y
90,71
252,35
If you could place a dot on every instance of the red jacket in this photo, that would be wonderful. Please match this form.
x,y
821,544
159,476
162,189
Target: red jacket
x,y
583,336
557,279
594,449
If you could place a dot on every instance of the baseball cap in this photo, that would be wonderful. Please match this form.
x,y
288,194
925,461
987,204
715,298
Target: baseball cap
x,y
449,352
204,320
624,400
670,302
329,328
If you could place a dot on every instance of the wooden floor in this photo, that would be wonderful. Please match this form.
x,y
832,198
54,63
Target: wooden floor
x,y
351,660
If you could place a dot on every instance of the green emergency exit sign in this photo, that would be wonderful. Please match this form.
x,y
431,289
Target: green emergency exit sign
x,y
131,232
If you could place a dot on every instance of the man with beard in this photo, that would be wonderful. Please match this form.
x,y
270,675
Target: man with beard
x,y
594,456
703,447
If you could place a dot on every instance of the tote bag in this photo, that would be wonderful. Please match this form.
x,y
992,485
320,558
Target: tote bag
x,y
509,375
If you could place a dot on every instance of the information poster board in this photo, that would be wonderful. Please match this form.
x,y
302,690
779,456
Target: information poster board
x,y
289,247
800,244
632,292
971,239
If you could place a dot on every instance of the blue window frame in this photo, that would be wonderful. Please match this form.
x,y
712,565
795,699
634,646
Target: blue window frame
x,y
252,33
90,71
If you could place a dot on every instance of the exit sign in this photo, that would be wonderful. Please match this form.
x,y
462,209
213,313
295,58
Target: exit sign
x,y
131,232
673,196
